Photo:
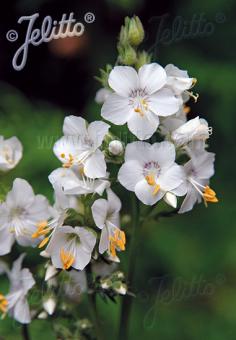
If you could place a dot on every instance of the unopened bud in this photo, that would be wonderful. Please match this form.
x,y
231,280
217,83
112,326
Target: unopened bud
x,y
170,199
115,147
135,31
49,305
120,288
127,54
142,59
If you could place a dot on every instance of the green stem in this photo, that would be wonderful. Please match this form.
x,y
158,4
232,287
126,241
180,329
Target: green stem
x,y
25,332
127,300
93,306
94,314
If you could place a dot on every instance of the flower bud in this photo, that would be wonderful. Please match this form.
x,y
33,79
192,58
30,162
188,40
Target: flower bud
x,y
135,31
50,272
49,305
115,147
120,288
170,199
142,59
127,54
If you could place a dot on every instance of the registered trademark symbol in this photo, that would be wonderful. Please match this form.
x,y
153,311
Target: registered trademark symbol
x,y
89,18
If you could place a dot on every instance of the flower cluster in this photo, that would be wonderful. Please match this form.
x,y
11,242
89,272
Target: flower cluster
x,y
167,159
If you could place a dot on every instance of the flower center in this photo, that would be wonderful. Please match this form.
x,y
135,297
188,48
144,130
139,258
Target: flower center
x,y
139,101
3,304
117,241
152,182
67,259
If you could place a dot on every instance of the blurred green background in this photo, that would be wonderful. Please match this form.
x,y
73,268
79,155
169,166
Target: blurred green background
x,y
186,265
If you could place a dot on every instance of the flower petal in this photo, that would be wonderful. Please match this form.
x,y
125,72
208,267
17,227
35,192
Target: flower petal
x,y
74,126
171,178
97,131
164,102
116,109
95,165
143,126
129,174
152,77
123,79
144,192
99,211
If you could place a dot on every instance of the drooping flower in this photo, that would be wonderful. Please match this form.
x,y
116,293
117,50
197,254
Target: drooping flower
x,y
139,99
178,80
150,171
198,171
80,146
71,247
21,281
106,217
74,182
19,215
194,129
10,153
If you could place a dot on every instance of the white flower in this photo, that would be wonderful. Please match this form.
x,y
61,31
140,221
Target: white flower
x,y
102,95
106,217
194,129
71,247
10,153
80,146
139,99
115,147
19,215
178,80
74,182
21,281
198,171
150,171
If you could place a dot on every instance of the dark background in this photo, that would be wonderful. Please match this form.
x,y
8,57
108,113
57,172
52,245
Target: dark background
x,y
186,267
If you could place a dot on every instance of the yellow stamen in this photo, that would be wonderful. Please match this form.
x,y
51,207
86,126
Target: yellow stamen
x,y
63,155
41,229
187,109
3,304
117,241
43,242
67,259
81,170
209,195
137,109
151,181
70,162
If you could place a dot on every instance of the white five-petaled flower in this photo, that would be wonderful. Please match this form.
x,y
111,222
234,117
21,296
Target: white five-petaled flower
x,y
194,129
106,215
71,247
21,281
80,146
178,80
150,171
139,99
198,171
10,153
19,216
